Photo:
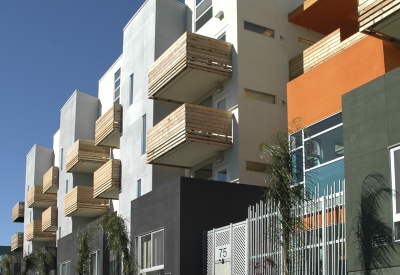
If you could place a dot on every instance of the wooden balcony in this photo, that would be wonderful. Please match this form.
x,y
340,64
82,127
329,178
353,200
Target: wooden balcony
x,y
80,202
189,135
380,18
17,242
50,219
192,66
320,52
107,180
36,198
34,232
18,212
85,157
50,180
108,127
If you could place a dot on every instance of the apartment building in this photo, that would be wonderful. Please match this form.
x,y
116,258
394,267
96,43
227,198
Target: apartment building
x,y
162,144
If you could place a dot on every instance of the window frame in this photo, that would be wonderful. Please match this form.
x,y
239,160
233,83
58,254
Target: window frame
x,y
97,252
396,216
144,135
67,264
139,251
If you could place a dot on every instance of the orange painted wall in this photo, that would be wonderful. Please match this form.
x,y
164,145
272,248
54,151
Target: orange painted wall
x,y
317,93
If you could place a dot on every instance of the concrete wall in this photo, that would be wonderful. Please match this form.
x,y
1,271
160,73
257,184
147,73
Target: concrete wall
x,y
106,87
185,208
370,125
38,161
156,25
77,121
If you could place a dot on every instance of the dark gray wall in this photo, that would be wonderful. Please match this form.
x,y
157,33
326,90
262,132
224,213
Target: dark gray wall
x,y
370,125
185,208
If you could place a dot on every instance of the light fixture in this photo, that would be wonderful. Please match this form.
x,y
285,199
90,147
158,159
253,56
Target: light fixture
x,y
220,158
220,15
283,101
219,89
281,37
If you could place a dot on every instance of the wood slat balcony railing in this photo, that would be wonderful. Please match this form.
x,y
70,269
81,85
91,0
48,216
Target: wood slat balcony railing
x,y
189,135
380,18
108,127
85,157
320,52
333,216
34,232
18,212
50,180
36,198
17,242
192,66
106,180
80,202
49,219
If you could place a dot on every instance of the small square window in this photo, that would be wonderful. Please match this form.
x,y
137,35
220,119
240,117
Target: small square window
x,y
259,29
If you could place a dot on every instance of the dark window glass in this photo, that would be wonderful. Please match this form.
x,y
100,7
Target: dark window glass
x,y
325,124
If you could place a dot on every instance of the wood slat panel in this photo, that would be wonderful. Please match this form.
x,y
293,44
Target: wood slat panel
x,y
84,151
109,124
80,199
17,241
106,179
50,180
18,212
189,123
334,216
371,12
320,52
256,166
50,219
36,197
190,51
34,232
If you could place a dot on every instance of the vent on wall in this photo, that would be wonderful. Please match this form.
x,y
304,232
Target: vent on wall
x,y
259,96
306,41
379,240
256,166
259,29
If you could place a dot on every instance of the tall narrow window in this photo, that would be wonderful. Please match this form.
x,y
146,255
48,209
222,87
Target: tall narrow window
x,y
117,84
131,83
94,263
204,12
139,188
66,186
151,253
61,158
395,168
144,134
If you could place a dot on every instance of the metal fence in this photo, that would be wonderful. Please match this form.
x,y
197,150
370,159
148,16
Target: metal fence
x,y
254,247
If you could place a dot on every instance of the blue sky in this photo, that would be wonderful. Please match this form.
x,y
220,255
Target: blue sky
x,y
47,50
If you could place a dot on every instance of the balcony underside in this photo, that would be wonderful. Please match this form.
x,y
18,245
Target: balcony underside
x,y
106,180
191,67
18,212
325,16
108,127
189,135
85,157
381,19
79,202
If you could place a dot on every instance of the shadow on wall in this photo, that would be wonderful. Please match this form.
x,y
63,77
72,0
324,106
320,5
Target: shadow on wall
x,y
373,236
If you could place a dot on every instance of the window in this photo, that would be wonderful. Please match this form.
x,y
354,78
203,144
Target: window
x,y
150,249
115,263
130,89
30,216
59,232
222,102
395,169
139,188
222,174
222,36
144,134
66,186
117,84
207,102
61,158
94,263
65,268
259,29
306,41
318,154
205,173
204,12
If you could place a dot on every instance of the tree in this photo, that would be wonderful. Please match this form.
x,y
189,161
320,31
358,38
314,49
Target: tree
x,y
39,261
6,265
281,174
84,248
